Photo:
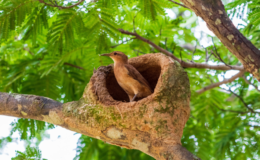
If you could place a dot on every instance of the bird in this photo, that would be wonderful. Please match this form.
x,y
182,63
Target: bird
x,y
127,76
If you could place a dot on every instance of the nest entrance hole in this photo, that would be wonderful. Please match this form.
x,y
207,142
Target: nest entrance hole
x,y
150,72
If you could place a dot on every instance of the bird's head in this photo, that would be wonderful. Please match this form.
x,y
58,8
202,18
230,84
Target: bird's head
x,y
117,56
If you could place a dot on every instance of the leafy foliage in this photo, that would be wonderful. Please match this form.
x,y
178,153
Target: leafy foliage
x,y
25,126
52,52
238,9
31,153
5,140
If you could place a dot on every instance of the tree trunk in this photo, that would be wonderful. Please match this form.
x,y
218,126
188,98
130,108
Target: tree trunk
x,y
153,125
214,14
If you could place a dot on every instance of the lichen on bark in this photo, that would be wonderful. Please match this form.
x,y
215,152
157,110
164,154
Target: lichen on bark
x,y
153,124
147,124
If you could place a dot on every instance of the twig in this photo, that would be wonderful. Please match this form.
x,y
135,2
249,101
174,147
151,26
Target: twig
x,y
183,63
136,52
61,7
239,74
134,23
194,52
253,126
149,42
180,54
248,82
139,51
173,49
206,52
28,50
208,56
217,55
122,43
227,110
194,117
209,77
178,4
166,43
72,65
242,100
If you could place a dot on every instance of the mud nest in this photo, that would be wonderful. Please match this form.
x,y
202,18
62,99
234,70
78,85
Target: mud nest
x,y
155,68
162,114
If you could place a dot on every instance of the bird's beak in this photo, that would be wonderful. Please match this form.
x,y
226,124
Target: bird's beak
x,y
105,55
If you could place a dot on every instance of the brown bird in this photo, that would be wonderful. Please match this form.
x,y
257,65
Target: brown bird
x,y
132,82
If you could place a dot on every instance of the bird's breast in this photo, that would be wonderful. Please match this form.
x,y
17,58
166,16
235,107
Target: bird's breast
x,y
128,83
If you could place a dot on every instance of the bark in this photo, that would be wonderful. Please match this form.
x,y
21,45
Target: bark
x,y
153,125
214,14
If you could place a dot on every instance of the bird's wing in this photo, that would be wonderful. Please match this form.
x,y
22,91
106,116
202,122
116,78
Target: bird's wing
x,y
137,76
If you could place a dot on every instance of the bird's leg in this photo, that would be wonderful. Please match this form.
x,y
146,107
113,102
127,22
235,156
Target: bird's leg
x,y
130,97
134,97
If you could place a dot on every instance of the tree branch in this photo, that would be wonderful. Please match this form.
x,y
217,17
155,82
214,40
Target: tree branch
x,y
30,106
61,7
151,43
194,51
207,56
214,14
179,4
142,125
183,63
239,74
253,126
114,46
242,100
138,51
227,110
28,50
217,55
72,65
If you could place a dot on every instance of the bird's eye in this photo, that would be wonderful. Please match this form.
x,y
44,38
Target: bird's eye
x,y
115,53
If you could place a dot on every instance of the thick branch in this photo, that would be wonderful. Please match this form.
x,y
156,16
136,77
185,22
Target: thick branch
x,y
29,106
214,14
239,74
183,64
142,125
61,7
